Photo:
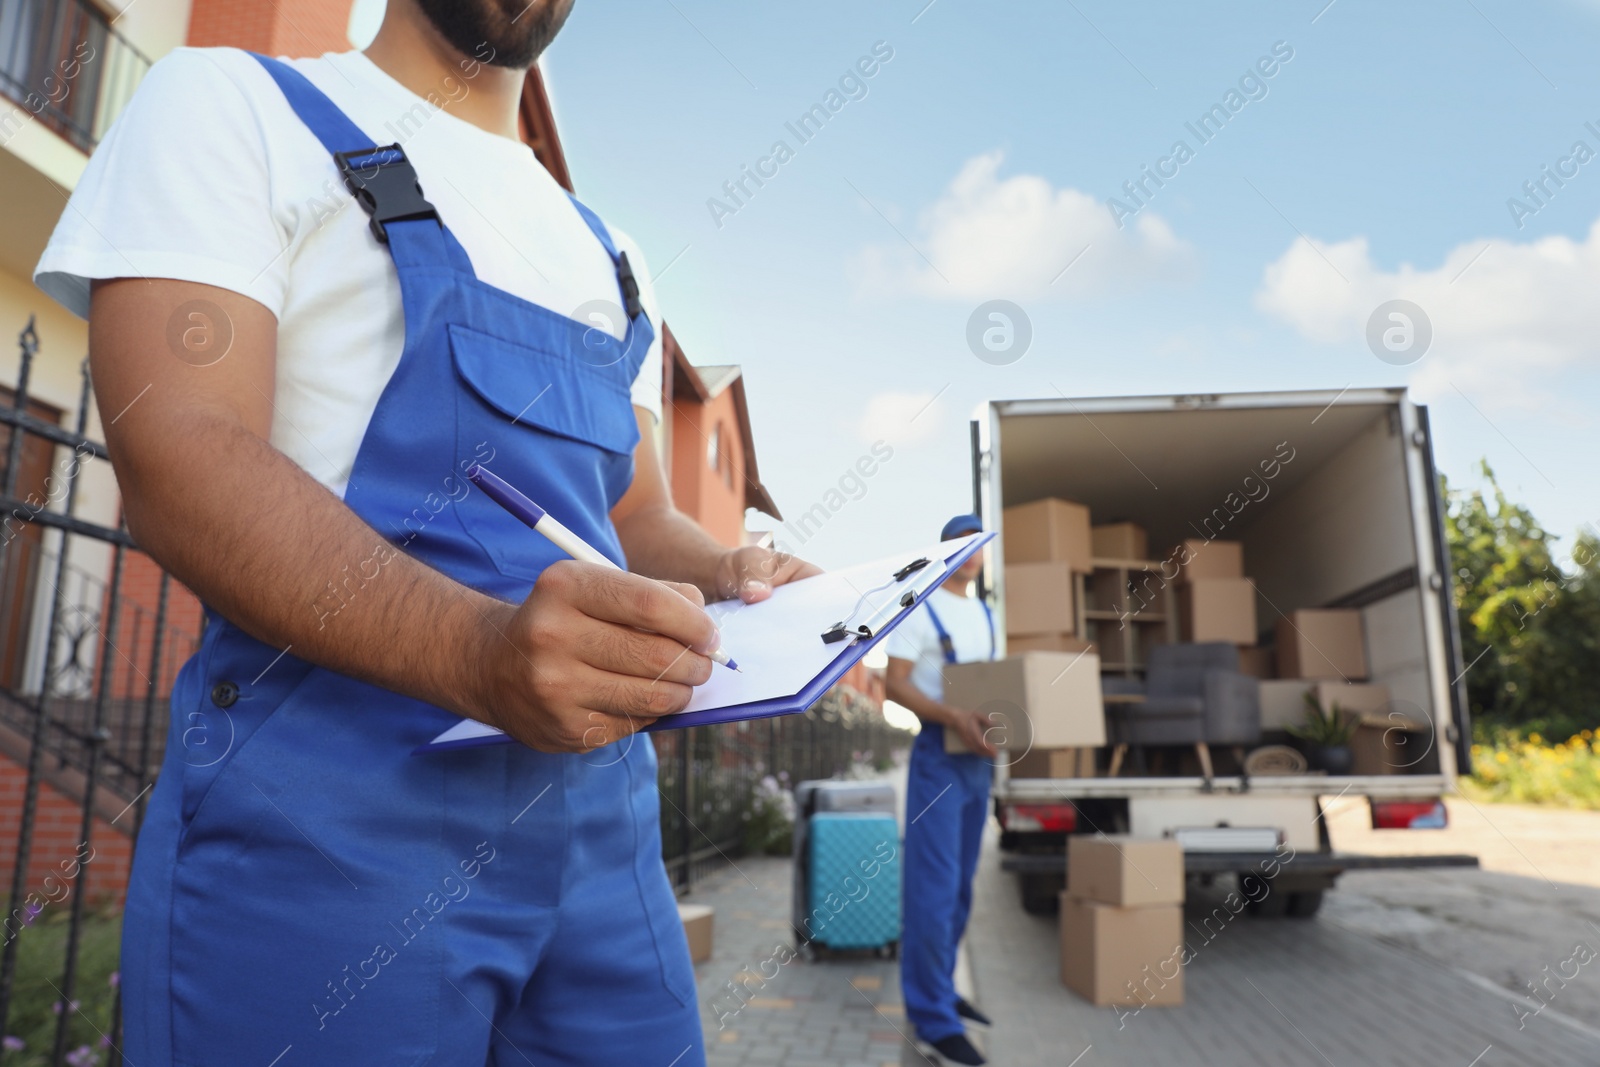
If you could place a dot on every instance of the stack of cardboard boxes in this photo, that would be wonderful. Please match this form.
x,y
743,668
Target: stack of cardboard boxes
x,y
1216,602
1323,653
1122,920
1046,544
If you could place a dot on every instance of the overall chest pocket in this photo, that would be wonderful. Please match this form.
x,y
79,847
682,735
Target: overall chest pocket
x,y
559,427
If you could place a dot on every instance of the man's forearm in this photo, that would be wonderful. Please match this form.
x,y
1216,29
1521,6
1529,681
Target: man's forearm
x,y
924,707
287,561
662,542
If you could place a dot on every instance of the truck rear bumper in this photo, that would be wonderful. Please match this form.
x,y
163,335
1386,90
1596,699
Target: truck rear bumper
x,y
1053,790
1322,863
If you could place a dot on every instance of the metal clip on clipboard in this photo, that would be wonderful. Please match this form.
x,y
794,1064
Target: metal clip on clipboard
x,y
843,630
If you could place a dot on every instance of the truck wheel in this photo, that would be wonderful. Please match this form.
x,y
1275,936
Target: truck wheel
x,y
1305,904
1041,893
1274,904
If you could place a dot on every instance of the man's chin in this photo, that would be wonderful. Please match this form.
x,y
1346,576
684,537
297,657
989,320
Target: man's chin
x,y
501,33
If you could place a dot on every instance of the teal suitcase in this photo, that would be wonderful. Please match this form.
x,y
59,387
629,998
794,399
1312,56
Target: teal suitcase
x,y
852,882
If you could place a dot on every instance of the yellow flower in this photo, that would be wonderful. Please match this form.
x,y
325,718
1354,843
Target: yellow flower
x,y
1501,757
1536,739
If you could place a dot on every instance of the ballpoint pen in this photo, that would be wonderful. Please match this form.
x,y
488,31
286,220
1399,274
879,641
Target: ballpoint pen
x,y
537,519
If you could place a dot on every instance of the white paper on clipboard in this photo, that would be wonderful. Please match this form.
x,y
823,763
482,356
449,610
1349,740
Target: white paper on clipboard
x,y
778,642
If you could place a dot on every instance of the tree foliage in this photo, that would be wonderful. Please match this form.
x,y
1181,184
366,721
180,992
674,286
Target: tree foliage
x,y
1530,616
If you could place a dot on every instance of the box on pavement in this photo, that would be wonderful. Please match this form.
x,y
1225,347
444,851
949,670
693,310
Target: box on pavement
x,y
697,926
1125,871
1323,643
1130,956
1048,531
1054,763
1256,662
1119,540
1035,700
1016,644
1218,609
1198,558
1039,599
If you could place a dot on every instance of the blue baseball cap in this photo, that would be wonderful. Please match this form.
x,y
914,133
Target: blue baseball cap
x,y
960,526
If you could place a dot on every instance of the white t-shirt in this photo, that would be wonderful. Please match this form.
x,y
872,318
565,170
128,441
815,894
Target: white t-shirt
x,y
209,176
915,639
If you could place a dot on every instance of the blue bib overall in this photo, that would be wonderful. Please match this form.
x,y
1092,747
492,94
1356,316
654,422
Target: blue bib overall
x,y
308,892
947,805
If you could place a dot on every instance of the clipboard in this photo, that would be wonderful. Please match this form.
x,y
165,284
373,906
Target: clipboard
x,y
794,646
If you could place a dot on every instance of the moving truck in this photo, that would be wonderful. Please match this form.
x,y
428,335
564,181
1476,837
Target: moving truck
x,y
1334,499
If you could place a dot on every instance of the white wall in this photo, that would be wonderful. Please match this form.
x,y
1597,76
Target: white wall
x,y
1346,526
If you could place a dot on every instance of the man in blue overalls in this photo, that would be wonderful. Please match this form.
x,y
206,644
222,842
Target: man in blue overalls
x,y
293,387
947,800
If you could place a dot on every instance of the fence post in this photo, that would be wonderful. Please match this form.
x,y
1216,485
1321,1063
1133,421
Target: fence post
x,y
41,720
686,803
91,782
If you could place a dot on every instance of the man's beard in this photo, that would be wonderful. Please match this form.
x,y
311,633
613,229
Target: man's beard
x,y
502,33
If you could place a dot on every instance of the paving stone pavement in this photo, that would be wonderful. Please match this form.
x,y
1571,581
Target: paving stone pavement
x,y
1262,993
843,1011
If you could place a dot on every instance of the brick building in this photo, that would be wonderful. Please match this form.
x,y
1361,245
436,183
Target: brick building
x,y
705,438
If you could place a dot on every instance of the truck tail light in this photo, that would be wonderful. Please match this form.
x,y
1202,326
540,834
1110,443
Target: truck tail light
x,y
1409,815
1039,818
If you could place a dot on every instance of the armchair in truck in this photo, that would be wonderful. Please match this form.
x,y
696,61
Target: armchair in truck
x,y
1194,695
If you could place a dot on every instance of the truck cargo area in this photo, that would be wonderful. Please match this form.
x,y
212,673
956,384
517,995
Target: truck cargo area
x,y
1331,498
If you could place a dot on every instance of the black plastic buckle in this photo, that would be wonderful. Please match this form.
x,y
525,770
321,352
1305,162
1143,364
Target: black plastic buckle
x,y
385,184
630,287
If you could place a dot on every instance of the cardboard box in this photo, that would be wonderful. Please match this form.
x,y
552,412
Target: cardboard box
x,y
1388,746
1054,763
1125,871
1130,956
1119,540
1390,740
1039,599
1048,531
1322,644
1370,702
1198,558
1283,703
1218,609
697,926
1257,662
1035,700
1016,644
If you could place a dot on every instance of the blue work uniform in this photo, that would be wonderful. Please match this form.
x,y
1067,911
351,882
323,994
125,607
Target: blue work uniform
x,y
317,894
947,805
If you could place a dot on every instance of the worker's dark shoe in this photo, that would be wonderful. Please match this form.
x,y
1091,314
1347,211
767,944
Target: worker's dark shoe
x,y
957,1049
965,1009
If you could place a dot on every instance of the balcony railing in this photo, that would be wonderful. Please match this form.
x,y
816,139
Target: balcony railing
x,y
63,63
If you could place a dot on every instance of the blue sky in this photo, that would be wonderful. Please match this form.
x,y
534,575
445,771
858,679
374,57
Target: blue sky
x,y
1376,163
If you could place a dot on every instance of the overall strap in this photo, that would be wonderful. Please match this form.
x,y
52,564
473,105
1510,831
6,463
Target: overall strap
x,y
945,643
626,282
381,179
988,614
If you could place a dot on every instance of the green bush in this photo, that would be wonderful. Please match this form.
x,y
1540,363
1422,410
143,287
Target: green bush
x,y
36,1002
1529,616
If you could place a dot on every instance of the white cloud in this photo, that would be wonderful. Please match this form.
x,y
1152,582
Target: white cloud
x,y
900,418
987,238
1500,323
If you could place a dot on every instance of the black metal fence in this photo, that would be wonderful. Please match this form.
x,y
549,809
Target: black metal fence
x,y
709,774
91,635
